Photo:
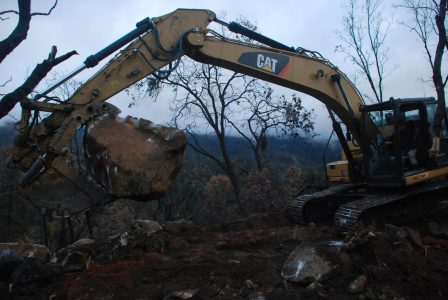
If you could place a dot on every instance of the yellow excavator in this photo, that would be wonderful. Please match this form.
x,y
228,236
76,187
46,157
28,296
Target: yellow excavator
x,y
388,159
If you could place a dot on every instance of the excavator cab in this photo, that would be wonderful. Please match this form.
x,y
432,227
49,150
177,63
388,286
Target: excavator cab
x,y
403,138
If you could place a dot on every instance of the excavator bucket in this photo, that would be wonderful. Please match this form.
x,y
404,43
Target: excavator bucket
x,y
123,158
134,158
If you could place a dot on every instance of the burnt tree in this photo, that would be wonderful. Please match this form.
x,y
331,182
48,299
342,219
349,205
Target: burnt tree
x,y
363,36
17,36
428,23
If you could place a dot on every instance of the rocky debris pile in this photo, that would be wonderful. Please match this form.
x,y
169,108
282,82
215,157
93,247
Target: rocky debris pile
x,y
261,257
396,263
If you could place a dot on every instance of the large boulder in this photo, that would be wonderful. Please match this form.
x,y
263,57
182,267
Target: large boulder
x,y
129,158
314,262
134,158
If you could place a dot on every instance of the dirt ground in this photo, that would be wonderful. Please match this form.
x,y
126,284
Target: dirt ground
x,y
244,260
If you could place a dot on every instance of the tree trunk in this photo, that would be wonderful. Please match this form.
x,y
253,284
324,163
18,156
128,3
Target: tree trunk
x,y
437,71
228,164
257,155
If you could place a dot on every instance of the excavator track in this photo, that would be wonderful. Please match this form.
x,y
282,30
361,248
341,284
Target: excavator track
x,y
321,205
350,205
393,207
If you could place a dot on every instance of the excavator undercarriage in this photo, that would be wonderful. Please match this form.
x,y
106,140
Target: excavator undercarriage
x,y
350,206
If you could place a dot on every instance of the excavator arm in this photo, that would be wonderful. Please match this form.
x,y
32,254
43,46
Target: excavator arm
x,y
159,44
300,72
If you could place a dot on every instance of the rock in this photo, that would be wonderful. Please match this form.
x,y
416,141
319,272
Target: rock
x,y
134,158
39,251
10,260
75,261
404,233
314,289
178,227
371,235
414,237
369,295
256,296
148,226
33,269
181,295
437,230
314,262
395,231
249,283
28,249
178,244
357,285
349,246
81,243
124,239
112,219
84,245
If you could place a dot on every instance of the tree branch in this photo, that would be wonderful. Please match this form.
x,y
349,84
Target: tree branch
x,y
198,148
364,40
9,12
8,102
6,82
47,13
19,33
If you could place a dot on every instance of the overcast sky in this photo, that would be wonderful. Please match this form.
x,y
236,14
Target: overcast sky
x,y
89,25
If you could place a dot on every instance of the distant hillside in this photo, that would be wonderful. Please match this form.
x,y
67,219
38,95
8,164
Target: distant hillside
x,y
305,153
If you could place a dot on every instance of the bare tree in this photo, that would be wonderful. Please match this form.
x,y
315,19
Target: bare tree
x,y
212,100
17,36
363,35
206,97
269,114
429,18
